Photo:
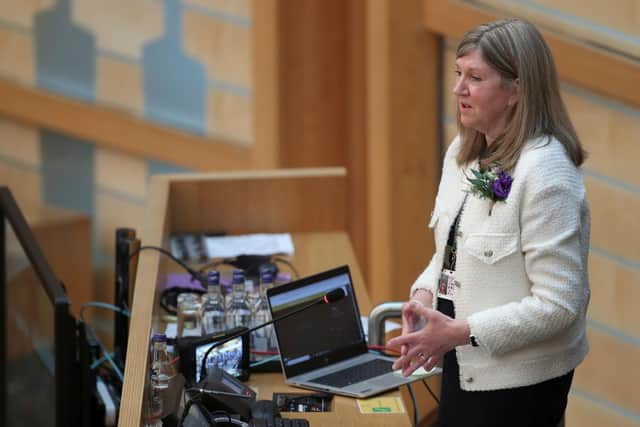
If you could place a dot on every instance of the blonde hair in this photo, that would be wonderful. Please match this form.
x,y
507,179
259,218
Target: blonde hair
x,y
516,50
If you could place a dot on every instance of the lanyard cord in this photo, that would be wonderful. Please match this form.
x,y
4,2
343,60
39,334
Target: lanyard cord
x,y
452,246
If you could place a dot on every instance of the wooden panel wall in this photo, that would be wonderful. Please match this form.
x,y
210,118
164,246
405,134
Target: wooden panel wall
x,y
403,150
239,204
313,54
614,25
322,96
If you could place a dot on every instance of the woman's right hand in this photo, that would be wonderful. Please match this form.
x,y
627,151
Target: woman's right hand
x,y
410,318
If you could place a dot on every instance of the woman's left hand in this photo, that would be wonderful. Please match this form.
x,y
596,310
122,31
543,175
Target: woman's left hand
x,y
426,347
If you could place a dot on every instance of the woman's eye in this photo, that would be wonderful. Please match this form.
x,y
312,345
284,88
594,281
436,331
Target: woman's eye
x,y
458,73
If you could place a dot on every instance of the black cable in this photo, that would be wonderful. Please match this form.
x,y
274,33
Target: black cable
x,y
415,405
195,275
212,264
185,411
430,391
114,367
232,262
288,264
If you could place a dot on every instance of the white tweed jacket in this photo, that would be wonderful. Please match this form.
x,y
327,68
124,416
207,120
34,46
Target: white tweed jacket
x,y
523,269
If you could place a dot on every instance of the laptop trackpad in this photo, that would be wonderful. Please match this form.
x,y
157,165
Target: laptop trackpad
x,y
387,380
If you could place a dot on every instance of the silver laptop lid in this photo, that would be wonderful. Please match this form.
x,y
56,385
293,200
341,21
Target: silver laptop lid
x,y
323,334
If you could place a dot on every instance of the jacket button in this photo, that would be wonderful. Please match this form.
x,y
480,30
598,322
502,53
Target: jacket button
x,y
488,253
469,379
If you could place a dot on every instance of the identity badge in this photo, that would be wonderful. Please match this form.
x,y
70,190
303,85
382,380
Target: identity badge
x,y
448,286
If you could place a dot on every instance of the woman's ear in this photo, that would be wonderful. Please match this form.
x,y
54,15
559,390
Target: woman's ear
x,y
515,93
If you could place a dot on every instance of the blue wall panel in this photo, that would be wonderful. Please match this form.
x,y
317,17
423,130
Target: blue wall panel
x,y
175,86
68,170
65,53
155,167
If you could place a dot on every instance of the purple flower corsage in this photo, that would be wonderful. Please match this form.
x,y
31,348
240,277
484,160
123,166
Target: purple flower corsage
x,y
493,184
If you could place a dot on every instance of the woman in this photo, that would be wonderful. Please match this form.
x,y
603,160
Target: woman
x,y
505,294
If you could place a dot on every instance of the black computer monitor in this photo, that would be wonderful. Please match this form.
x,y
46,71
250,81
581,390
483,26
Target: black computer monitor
x,y
38,367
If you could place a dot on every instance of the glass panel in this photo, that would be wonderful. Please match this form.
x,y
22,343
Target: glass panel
x,y
30,365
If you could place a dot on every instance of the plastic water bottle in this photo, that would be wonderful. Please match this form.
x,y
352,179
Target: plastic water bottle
x,y
153,407
239,312
161,371
189,321
213,312
253,292
262,339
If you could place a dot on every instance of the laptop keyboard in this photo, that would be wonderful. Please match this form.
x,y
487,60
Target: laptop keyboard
x,y
356,374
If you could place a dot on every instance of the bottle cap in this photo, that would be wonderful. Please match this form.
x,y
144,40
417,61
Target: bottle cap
x,y
238,276
158,337
266,278
213,277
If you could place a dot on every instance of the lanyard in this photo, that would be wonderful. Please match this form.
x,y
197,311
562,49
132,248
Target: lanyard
x,y
452,246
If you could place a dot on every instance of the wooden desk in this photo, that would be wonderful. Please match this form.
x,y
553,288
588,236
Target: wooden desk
x,y
309,204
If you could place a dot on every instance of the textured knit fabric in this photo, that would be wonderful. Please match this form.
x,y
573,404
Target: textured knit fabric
x,y
522,266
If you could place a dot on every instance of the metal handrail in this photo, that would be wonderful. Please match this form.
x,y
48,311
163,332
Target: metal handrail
x,y
378,315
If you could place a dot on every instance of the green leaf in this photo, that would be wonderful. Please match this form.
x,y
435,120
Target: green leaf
x,y
478,174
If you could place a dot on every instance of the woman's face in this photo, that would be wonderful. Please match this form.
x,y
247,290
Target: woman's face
x,y
484,101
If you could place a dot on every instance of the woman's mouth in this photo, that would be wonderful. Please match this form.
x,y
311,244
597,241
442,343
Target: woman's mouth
x,y
464,106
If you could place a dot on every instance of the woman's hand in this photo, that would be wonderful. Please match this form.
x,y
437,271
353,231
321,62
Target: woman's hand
x,y
427,346
412,321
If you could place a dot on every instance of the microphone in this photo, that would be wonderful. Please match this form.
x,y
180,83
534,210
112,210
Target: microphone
x,y
330,297
221,393
333,296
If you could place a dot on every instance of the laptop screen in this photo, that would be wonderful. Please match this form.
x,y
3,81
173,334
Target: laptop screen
x,y
323,334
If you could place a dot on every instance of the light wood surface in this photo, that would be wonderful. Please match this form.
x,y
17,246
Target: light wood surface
x,y
118,130
403,155
614,294
584,412
596,69
607,130
594,21
262,201
356,150
316,198
609,372
310,82
65,239
266,84
619,236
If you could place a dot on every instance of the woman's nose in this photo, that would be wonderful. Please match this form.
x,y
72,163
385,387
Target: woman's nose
x,y
459,87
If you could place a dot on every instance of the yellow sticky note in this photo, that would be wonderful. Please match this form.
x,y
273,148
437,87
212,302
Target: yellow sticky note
x,y
381,405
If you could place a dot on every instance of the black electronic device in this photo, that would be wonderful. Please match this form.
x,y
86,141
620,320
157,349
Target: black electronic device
x,y
265,413
231,355
39,373
254,265
126,244
303,402
92,408
220,391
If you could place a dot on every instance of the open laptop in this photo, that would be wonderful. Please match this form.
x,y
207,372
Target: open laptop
x,y
324,347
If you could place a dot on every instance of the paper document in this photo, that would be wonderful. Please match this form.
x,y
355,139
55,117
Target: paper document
x,y
381,405
249,244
